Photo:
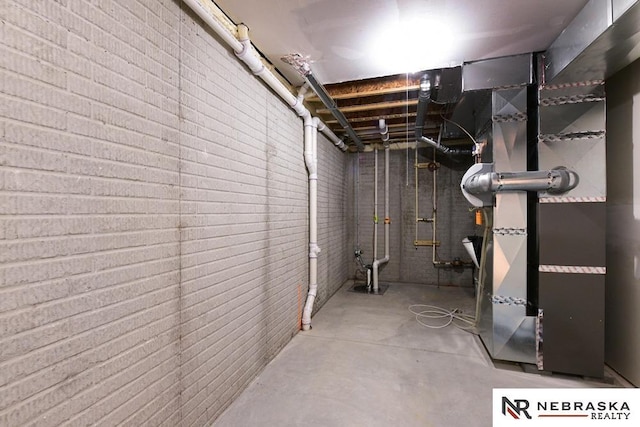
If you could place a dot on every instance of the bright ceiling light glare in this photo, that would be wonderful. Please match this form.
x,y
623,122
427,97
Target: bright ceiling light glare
x,y
413,45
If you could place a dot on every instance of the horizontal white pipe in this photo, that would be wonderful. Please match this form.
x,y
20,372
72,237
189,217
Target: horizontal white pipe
x,y
331,136
215,25
311,156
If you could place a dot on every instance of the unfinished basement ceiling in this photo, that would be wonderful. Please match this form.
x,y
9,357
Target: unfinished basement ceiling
x,y
369,53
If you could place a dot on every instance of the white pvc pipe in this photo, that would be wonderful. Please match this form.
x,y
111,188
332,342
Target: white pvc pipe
x,y
383,129
375,205
245,52
215,25
311,159
331,136
387,222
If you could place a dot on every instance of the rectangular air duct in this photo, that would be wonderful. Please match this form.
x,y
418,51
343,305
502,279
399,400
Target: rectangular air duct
x,y
601,40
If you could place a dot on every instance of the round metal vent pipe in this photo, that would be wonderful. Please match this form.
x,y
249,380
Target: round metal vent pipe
x,y
428,91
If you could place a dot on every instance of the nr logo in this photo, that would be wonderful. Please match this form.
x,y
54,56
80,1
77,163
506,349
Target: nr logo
x,y
516,409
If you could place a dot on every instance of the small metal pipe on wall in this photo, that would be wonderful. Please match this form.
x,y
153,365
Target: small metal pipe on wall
x,y
413,264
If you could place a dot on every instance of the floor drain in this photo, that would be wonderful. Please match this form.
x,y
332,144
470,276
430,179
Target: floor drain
x,y
362,289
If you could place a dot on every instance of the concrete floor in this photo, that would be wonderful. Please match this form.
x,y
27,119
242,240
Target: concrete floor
x,y
367,362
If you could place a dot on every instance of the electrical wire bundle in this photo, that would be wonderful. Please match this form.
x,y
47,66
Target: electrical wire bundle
x,y
455,316
444,317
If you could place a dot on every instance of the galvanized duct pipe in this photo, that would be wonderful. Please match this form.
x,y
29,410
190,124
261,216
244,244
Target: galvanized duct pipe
x,y
320,125
480,182
429,90
301,65
555,181
335,111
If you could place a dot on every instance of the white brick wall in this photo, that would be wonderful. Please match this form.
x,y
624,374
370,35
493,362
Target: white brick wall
x,y
89,258
454,221
335,210
153,217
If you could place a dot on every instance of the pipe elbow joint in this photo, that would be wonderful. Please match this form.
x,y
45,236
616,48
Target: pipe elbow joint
x,y
479,183
312,166
300,109
377,263
246,55
313,290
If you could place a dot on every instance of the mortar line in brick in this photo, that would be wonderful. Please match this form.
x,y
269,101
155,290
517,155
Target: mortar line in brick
x,y
221,374
91,351
133,368
55,363
35,263
80,296
69,134
149,370
86,331
63,237
181,17
87,197
44,283
82,157
84,215
233,314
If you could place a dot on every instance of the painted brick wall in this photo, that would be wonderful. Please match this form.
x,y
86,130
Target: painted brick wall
x,y
454,221
89,269
153,217
335,210
244,225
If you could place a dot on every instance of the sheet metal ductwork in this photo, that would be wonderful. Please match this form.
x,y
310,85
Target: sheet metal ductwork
x,y
481,182
429,86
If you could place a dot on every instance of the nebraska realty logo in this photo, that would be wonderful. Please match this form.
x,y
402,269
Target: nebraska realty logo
x,y
566,407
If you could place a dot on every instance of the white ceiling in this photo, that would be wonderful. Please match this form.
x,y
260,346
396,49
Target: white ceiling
x,y
355,39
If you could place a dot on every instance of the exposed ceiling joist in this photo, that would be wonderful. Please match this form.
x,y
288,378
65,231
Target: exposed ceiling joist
x,y
372,106
371,87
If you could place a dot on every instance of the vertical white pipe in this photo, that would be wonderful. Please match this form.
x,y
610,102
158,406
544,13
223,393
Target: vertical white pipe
x,y
434,223
415,170
375,205
387,219
387,223
311,159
